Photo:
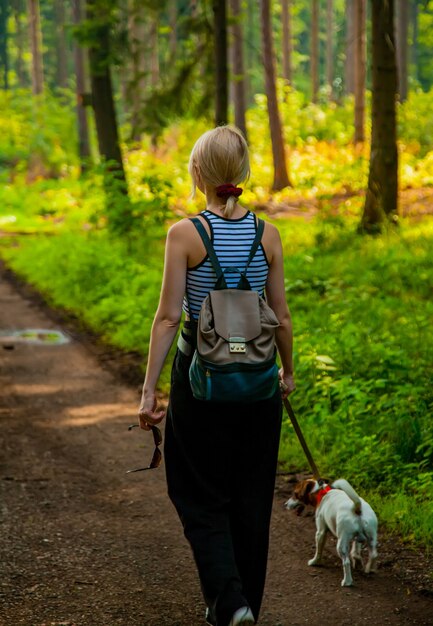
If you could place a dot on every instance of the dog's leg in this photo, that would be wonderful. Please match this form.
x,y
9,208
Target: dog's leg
x,y
372,555
320,544
343,551
355,555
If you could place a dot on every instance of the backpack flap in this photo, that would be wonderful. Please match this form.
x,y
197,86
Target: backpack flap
x,y
236,314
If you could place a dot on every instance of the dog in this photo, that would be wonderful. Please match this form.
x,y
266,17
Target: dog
x,y
348,517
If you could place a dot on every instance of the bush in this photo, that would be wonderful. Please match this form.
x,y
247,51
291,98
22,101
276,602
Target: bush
x,y
37,135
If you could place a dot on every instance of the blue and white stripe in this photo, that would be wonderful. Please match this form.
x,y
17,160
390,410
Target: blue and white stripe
x,y
232,241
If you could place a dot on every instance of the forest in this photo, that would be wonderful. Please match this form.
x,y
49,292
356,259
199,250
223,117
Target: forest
x,y
101,102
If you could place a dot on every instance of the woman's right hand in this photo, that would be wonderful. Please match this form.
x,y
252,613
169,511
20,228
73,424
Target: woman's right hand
x,y
287,383
148,415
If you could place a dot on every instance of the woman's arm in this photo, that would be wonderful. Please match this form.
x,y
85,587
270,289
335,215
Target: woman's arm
x,y
276,297
166,321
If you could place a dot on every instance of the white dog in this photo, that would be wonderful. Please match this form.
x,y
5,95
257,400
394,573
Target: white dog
x,y
351,520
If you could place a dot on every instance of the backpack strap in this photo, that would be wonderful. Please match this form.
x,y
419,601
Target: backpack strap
x,y
257,240
210,250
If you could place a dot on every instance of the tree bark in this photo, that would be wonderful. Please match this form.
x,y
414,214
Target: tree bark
x,y
238,71
330,46
281,177
315,50
62,58
350,47
402,47
221,72
381,196
83,129
36,46
360,69
286,6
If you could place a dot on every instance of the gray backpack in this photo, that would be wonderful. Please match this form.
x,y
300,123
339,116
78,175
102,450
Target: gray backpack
x,y
235,357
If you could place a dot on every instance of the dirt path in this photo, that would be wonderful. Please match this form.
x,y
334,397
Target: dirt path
x,y
82,543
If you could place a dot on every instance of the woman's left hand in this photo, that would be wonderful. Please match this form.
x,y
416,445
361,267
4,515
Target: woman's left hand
x,y
287,383
147,413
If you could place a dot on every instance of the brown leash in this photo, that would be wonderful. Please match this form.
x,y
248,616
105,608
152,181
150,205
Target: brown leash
x,y
301,439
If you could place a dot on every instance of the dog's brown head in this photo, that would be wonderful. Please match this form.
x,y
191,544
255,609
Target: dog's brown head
x,y
304,491
304,494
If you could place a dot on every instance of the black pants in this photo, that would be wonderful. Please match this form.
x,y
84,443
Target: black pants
x,y
221,463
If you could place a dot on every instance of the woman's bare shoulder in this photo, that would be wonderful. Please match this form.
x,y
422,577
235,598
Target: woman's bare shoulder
x,y
182,226
271,231
181,229
271,241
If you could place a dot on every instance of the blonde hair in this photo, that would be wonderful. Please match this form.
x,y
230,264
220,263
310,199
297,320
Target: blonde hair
x,y
220,156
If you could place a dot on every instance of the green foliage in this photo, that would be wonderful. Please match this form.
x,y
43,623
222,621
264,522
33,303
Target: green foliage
x,y
304,120
37,135
321,157
186,87
415,123
425,42
103,19
125,218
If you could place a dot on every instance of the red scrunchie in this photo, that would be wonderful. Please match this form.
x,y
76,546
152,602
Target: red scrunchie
x,y
227,190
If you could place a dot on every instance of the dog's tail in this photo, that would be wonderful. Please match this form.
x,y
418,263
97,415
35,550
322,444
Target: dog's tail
x,y
349,490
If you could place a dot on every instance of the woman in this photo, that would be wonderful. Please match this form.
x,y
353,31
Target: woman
x,y
220,458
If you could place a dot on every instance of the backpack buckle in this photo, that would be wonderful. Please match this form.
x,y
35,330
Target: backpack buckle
x,y
237,344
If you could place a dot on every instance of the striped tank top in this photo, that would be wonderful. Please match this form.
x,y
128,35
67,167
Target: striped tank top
x,y
232,241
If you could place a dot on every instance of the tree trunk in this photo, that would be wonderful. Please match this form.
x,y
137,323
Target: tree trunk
x,y
349,69
102,91
330,46
286,6
360,69
402,46
238,68
20,38
83,130
36,47
315,50
381,196
250,52
281,178
414,51
105,115
172,18
4,56
138,67
154,50
221,73
62,59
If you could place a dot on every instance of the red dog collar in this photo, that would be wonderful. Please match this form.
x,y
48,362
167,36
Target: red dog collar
x,y
322,493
